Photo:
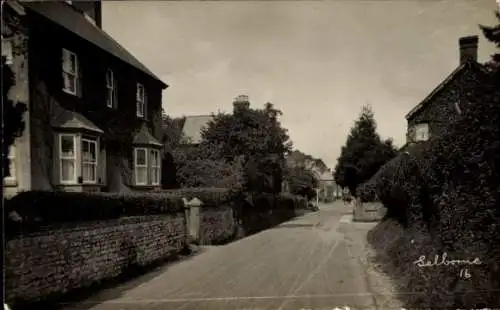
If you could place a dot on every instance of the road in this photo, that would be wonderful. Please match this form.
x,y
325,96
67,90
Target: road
x,y
317,261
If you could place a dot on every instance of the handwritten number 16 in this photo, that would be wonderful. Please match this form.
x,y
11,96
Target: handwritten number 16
x,y
464,273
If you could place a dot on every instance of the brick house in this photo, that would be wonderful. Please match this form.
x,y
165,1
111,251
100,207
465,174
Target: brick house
x,y
448,99
94,111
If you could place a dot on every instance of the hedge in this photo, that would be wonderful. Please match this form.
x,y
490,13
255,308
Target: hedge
x,y
43,208
447,192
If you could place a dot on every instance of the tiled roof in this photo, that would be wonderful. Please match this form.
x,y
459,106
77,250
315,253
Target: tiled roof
x,y
143,137
68,17
62,118
193,126
443,84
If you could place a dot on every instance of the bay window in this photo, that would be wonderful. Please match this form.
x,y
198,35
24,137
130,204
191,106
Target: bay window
x,y
78,159
147,166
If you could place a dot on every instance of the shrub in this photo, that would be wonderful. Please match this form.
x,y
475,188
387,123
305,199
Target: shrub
x,y
42,208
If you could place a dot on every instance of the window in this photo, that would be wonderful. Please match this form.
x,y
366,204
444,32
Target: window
x,y
141,166
155,167
12,165
70,72
422,132
67,156
140,100
111,89
7,50
89,161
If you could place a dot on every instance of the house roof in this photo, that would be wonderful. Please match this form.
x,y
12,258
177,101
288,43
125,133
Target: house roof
x,y
143,137
443,84
193,126
65,119
68,17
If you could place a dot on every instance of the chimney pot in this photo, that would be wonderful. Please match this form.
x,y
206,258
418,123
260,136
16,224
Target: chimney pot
x,y
468,48
241,101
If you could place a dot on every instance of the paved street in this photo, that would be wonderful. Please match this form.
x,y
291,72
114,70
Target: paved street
x,y
317,261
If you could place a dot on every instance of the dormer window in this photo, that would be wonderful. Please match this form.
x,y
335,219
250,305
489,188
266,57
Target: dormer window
x,y
422,132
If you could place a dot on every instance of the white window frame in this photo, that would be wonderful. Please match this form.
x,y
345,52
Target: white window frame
x,y
144,166
422,132
93,164
67,158
111,89
66,56
7,47
140,100
12,178
155,167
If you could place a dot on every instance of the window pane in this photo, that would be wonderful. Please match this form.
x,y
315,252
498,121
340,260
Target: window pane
x,y
109,78
69,82
67,169
140,93
155,176
72,63
141,175
67,146
154,158
140,108
89,151
140,157
89,172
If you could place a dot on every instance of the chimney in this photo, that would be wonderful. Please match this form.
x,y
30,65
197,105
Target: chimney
x,y
468,48
241,102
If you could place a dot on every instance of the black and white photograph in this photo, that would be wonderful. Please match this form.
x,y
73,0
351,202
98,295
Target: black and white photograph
x,y
250,154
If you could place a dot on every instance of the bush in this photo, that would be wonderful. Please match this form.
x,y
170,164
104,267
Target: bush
x,y
42,208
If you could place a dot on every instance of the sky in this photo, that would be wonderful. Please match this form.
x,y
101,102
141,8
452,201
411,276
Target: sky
x,y
319,62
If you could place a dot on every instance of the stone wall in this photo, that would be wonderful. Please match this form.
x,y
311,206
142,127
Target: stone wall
x,y
217,225
59,259
368,211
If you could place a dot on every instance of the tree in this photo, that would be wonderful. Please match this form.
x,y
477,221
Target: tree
x,y
301,181
363,154
257,138
492,34
13,123
297,158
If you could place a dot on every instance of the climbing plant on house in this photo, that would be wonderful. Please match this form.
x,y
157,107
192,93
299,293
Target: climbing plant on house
x,y
12,119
